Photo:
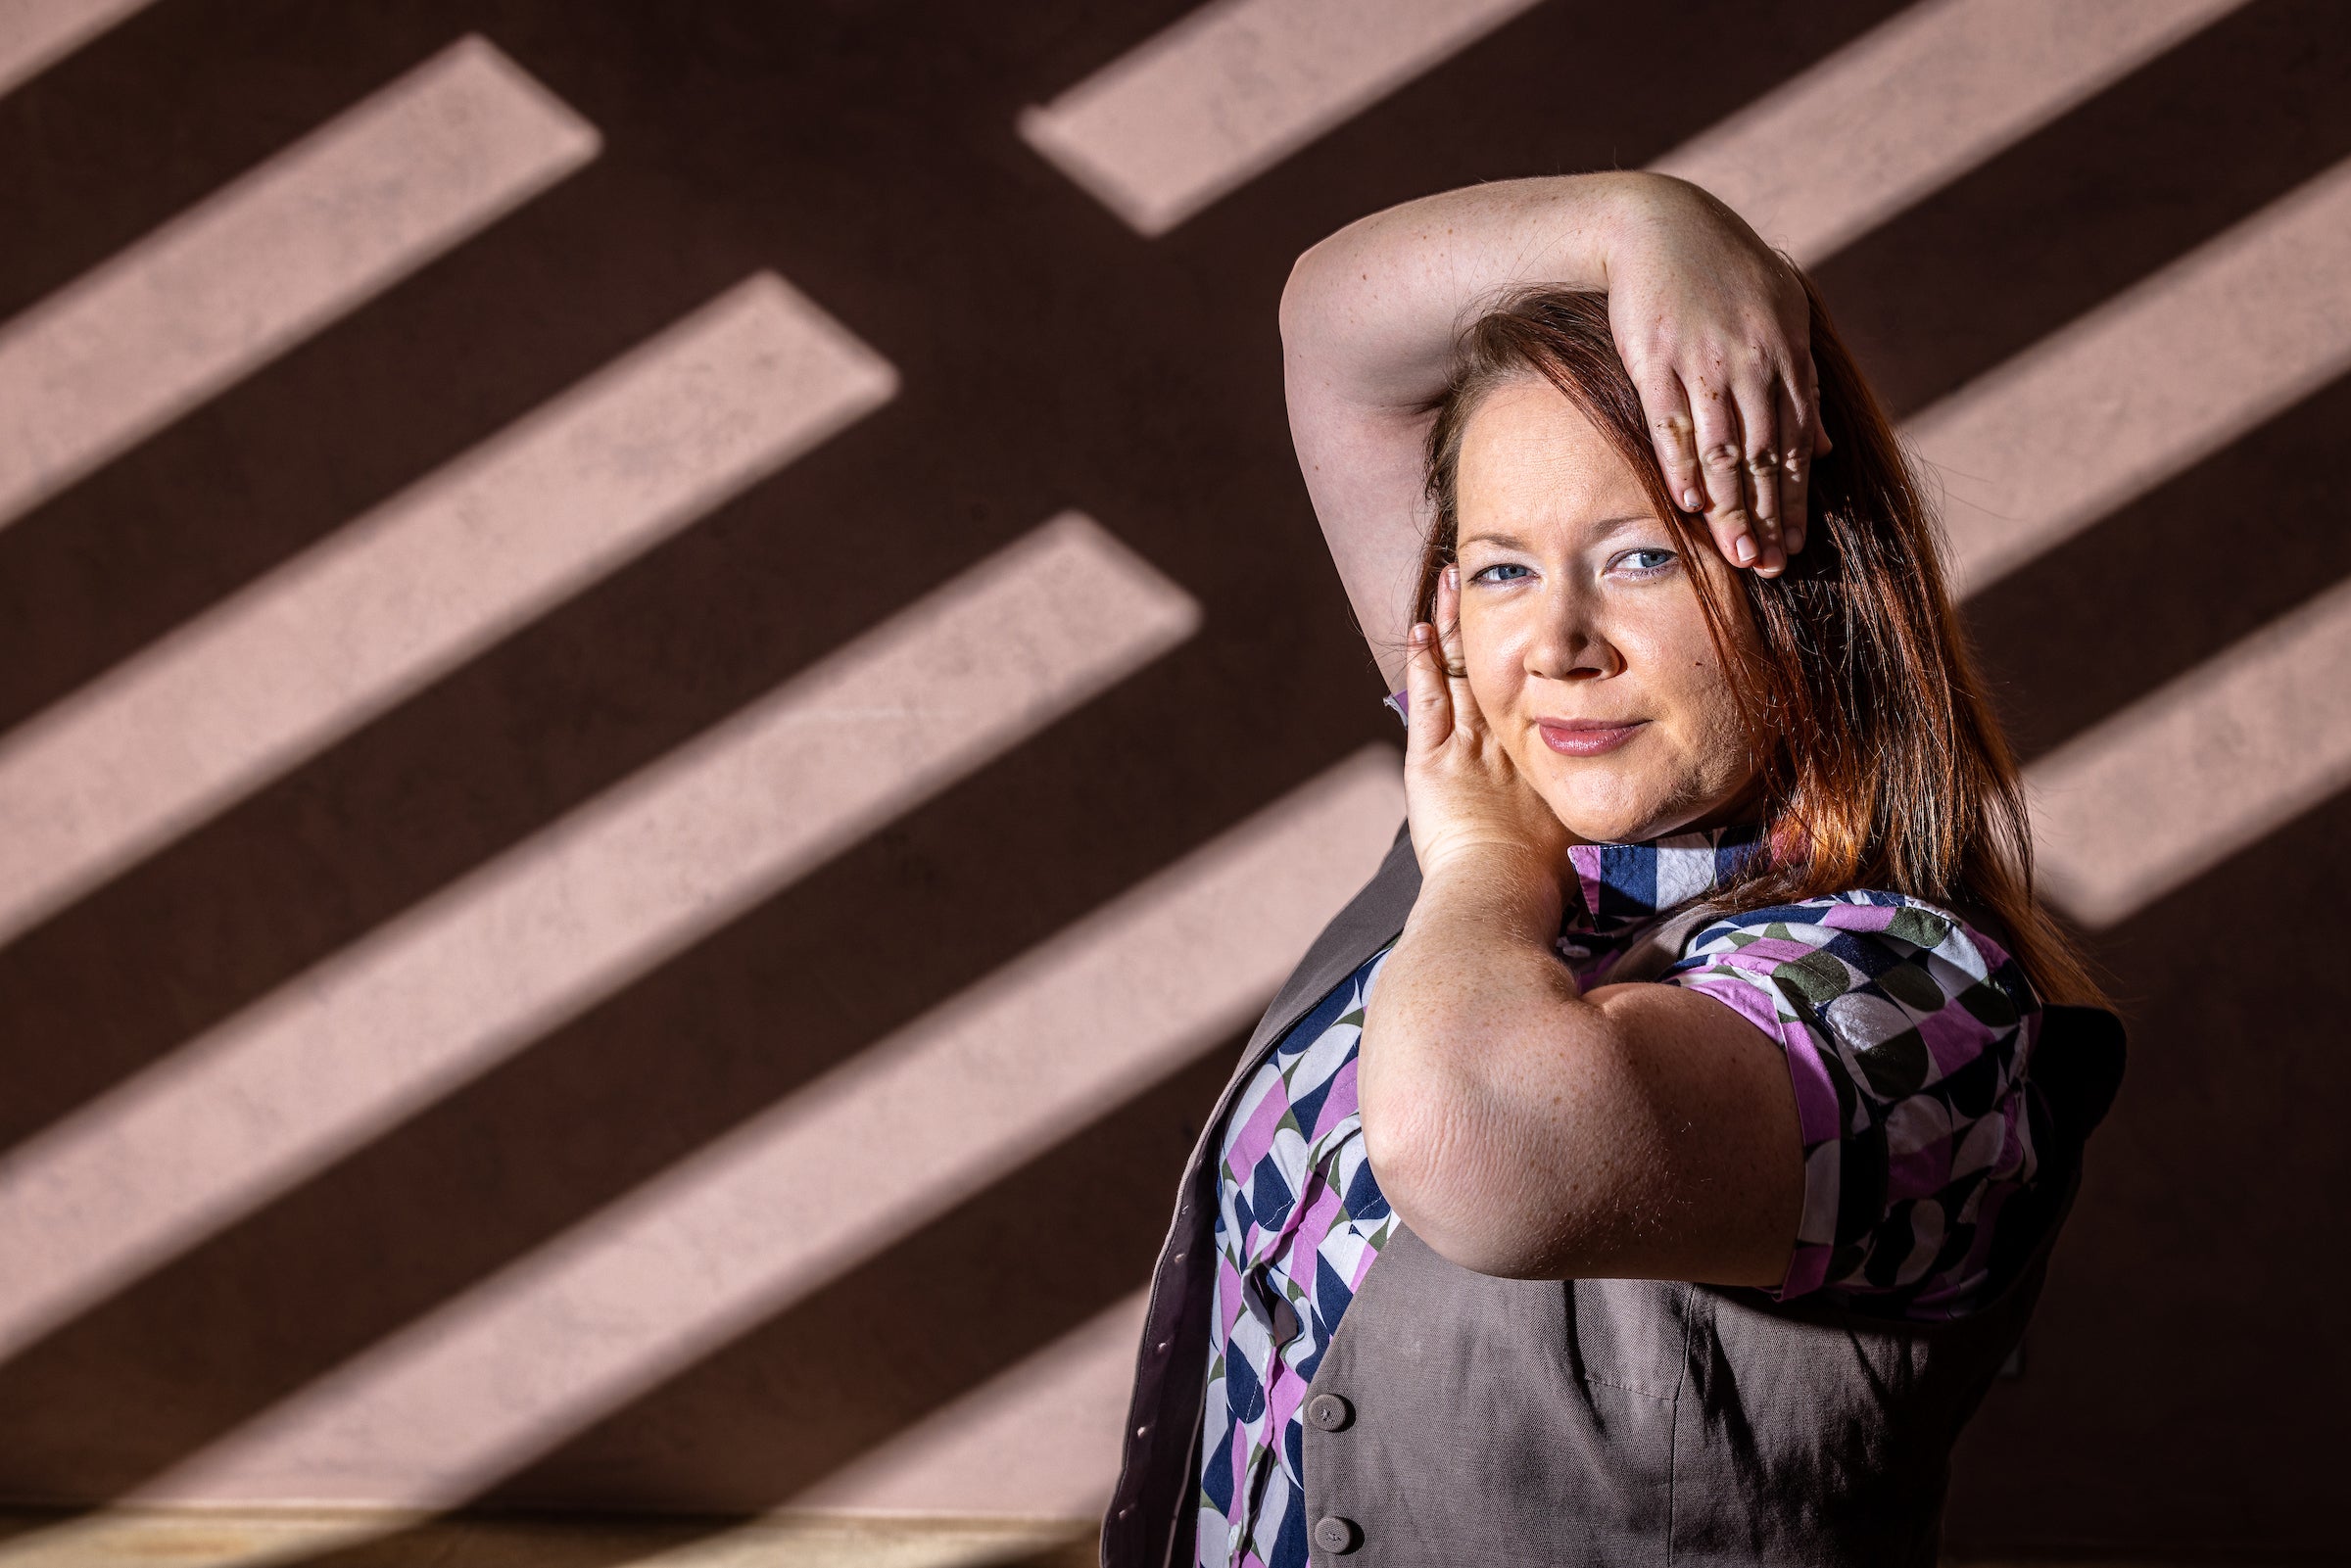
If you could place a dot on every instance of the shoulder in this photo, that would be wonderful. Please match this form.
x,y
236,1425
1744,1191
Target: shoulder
x,y
1908,1036
1866,965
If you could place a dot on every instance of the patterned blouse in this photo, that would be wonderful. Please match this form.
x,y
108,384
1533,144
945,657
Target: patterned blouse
x,y
1906,1033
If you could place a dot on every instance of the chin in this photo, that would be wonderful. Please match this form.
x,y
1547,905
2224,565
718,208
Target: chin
x,y
1610,822
1596,803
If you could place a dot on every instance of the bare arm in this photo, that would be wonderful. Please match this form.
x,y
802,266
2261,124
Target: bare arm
x,y
1708,321
1523,1127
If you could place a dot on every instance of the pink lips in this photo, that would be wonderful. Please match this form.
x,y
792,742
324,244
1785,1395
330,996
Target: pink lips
x,y
1586,738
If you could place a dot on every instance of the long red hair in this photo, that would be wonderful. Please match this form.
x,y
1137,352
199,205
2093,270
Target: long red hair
x,y
1881,763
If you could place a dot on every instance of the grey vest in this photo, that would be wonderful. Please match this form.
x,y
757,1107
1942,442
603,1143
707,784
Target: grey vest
x,y
1460,1418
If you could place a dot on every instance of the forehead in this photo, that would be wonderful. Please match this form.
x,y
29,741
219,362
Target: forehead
x,y
1531,460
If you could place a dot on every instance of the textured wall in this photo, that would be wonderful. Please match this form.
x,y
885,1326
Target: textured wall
x,y
666,694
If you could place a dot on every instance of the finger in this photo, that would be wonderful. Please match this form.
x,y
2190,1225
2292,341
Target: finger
x,y
1759,462
1675,435
1465,715
1431,723
1795,467
1822,445
1721,460
1759,438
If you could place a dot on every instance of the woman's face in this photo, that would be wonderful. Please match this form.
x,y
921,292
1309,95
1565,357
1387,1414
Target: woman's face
x,y
1586,647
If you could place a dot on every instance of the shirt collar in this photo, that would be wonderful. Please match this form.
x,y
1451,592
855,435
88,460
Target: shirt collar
x,y
1624,885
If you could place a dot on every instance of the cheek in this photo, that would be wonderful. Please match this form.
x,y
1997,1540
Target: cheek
x,y
1490,652
1687,679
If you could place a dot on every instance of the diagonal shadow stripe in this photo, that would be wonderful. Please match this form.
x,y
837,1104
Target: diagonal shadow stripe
x,y
2115,403
2236,1069
1232,89
2161,792
1041,1438
420,584
923,909
2194,141
1901,112
36,34
768,1416
606,1103
777,1409
809,1187
470,344
1440,131
615,680
569,916
2172,592
89,178
229,285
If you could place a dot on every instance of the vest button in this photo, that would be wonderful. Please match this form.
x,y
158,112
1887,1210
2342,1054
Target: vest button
x,y
1329,1412
1334,1534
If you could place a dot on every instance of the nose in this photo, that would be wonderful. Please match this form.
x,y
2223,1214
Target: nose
x,y
1571,643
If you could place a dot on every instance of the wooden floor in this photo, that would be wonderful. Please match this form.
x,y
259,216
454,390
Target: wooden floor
x,y
233,1539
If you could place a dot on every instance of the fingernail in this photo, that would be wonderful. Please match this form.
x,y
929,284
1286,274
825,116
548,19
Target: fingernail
x,y
1419,633
1692,500
1453,577
1743,552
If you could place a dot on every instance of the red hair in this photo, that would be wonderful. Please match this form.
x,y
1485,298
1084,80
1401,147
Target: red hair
x,y
1881,763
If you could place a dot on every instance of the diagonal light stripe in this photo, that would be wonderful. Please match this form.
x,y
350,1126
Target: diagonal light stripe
x,y
415,588
571,915
36,34
2151,382
304,238
1038,1440
1914,104
1235,88
825,1178
2204,767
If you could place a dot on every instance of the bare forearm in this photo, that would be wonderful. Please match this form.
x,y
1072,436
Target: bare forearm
x,y
1471,995
1370,313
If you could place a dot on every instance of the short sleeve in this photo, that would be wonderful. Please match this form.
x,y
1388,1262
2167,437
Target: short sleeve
x,y
1908,1036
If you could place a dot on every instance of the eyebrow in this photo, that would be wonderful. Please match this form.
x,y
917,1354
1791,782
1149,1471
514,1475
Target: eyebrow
x,y
1604,528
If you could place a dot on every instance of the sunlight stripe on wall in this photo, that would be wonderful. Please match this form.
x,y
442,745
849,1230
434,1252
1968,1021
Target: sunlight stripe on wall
x,y
422,584
825,1178
2149,383
307,237
1040,1439
36,34
1235,88
1915,103
2186,777
571,915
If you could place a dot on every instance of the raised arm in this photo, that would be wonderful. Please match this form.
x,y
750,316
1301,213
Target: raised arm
x,y
1711,323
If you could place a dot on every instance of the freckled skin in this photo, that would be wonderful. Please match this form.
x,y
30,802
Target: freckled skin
x,y
1586,611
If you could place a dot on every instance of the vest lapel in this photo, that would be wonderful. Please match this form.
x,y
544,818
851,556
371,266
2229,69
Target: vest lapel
x,y
1374,918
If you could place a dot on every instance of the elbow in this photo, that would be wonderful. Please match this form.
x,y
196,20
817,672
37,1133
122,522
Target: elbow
x,y
1302,296
1463,1192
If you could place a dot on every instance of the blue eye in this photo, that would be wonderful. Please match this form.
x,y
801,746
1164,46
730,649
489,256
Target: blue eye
x,y
1644,562
1492,573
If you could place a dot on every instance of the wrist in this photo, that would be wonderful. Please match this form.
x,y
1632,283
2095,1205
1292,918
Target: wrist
x,y
1508,888
1631,211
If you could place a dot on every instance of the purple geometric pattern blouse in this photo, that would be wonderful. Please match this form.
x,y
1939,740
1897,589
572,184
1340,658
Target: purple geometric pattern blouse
x,y
1907,1036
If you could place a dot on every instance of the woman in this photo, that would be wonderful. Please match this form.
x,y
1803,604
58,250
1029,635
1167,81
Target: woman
x,y
1659,1157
